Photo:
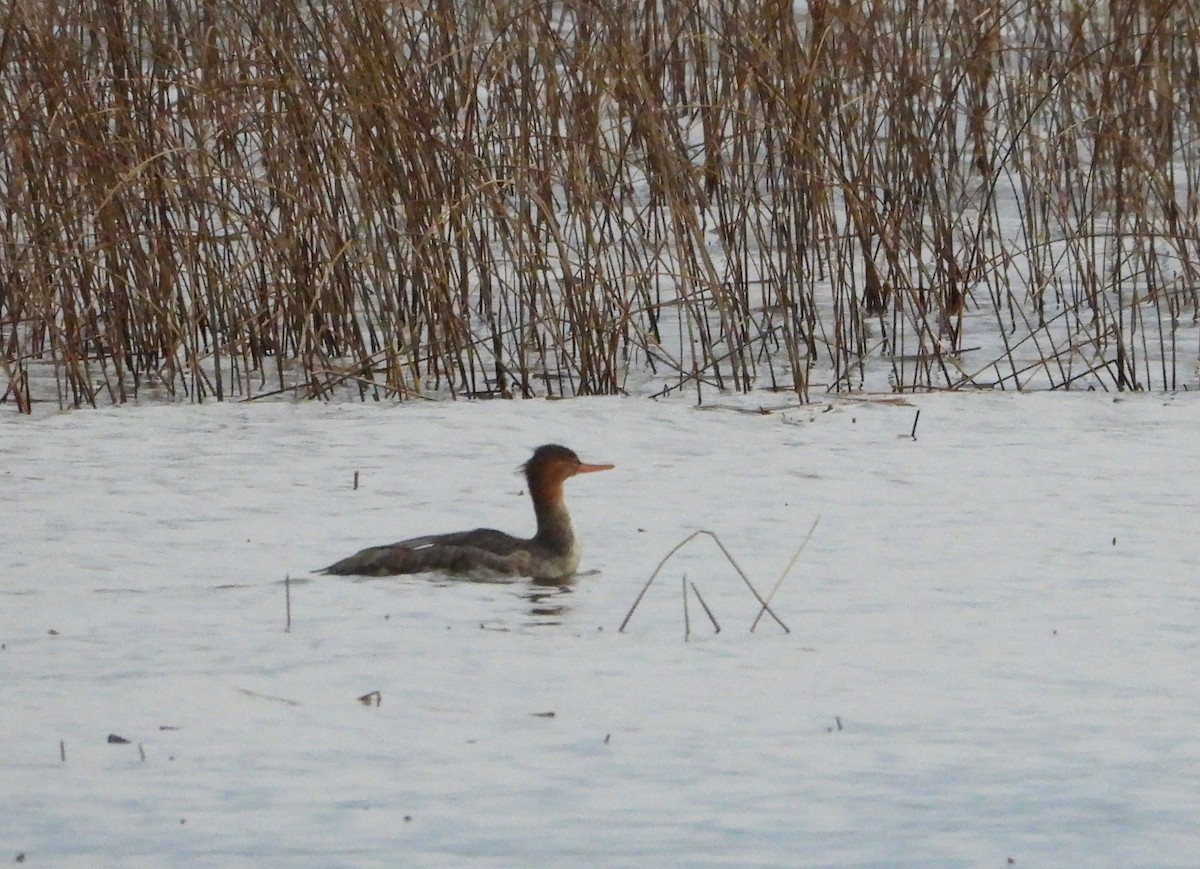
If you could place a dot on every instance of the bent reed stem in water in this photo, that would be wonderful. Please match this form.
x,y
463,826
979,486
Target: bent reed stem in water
x,y
766,607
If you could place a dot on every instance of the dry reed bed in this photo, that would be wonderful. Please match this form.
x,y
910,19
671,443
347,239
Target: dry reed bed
x,y
235,199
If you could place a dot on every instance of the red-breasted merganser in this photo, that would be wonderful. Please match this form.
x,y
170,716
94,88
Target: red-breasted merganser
x,y
552,553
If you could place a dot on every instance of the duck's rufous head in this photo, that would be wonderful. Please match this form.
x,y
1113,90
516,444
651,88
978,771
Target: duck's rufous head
x,y
551,464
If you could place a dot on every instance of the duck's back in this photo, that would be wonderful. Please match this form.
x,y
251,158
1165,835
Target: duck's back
x,y
484,550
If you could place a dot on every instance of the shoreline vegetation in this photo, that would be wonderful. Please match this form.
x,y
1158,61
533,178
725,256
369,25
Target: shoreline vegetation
x,y
398,199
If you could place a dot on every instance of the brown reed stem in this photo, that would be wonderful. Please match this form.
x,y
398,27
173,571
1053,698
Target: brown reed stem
x,y
707,611
687,622
786,571
702,532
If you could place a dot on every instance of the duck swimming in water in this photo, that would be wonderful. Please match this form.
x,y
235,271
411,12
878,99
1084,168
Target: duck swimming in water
x,y
552,553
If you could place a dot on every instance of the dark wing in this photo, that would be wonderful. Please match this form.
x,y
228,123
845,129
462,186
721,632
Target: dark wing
x,y
488,539
481,550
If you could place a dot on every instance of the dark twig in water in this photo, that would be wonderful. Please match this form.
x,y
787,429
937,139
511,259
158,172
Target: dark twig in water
x,y
786,570
687,623
707,611
702,532
274,699
287,599
916,419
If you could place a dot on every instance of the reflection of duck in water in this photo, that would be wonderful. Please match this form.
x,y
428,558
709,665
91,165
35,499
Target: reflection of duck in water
x,y
549,599
552,553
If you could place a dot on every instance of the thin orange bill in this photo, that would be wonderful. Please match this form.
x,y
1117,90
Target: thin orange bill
x,y
587,469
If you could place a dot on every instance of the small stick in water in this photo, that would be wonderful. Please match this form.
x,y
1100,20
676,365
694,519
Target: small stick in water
x,y
916,419
287,597
707,611
687,624
356,474
786,571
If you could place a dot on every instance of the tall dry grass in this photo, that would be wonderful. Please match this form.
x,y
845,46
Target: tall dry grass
x,y
236,199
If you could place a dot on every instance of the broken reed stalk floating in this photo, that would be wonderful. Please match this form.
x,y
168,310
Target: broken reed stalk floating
x,y
766,607
707,611
786,570
687,622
